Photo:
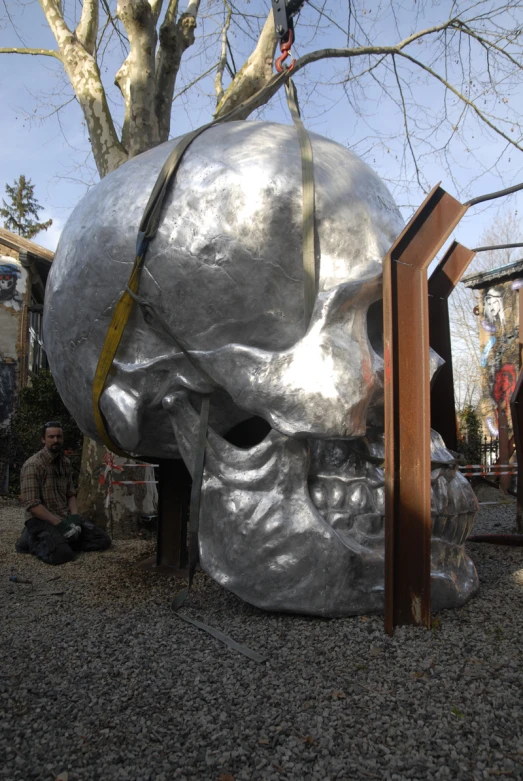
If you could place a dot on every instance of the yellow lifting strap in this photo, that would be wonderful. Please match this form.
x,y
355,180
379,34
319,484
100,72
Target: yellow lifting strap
x,y
149,226
124,305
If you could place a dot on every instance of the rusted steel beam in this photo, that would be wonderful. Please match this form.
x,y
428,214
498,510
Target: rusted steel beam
x,y
442,282
511,446
407,409
520,317
504,453
174,491
516,409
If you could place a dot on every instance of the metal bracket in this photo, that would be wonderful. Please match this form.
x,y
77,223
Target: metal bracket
x,y
281,20
283,11
407,409
442,282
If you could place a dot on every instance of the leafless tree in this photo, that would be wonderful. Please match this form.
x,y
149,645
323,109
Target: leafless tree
x,y
507,228
434,76
465,56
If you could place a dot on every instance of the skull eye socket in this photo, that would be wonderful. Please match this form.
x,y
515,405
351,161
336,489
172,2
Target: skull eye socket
x,y
248,433
375,326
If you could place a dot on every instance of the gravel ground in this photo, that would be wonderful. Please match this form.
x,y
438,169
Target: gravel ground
x,y
99,680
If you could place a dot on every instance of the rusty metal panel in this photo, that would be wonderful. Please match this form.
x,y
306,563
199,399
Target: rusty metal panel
x,y
428,229
442,404
516,409
442,282
520,319
449,270
174,490
407,409
504,454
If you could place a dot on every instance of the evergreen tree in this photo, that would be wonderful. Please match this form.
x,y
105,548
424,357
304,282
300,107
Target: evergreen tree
x,y
470,434
21,214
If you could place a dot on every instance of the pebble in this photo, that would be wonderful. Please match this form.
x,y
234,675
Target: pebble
x,y
105,683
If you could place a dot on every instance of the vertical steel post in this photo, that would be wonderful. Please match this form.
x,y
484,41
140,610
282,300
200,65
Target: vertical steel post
x,y
174,492
516,409
520,319
407,409
442,282
504,480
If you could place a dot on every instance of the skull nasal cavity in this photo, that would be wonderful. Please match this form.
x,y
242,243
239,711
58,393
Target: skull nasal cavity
x,y
375,326
248,433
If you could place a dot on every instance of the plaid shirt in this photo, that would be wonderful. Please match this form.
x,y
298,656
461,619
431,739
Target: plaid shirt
x,y
46,479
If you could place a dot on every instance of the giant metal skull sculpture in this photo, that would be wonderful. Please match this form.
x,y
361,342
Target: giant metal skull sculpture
x,y
295,521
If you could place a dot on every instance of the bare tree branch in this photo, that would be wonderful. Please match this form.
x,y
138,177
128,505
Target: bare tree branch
x,y
123,82
195,81
255,74
87,28
218,82
464,99
176,35
85,79
473,57
138,75
44,52
406,121
156,8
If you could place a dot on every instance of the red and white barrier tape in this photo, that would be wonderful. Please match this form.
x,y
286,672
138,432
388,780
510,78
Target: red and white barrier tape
x,y
512,465
106,476
132,482
482,474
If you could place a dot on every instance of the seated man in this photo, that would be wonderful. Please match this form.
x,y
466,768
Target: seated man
x,y
53,529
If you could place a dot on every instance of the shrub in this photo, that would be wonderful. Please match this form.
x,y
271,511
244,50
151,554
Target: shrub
x,y
37,403
469,442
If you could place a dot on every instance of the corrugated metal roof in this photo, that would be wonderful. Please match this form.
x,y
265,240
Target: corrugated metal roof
x,y
512,270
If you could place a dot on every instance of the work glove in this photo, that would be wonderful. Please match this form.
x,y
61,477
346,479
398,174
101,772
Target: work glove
x,y
69,531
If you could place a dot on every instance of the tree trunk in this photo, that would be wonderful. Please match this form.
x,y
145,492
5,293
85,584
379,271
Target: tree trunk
x,y
121,514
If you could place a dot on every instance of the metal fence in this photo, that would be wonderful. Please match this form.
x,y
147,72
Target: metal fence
x,y
489,450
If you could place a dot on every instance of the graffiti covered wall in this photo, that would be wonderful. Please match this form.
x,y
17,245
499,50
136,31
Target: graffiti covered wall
x,y
13,290
499,341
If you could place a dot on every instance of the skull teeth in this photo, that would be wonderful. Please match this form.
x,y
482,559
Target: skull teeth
x,y
358,505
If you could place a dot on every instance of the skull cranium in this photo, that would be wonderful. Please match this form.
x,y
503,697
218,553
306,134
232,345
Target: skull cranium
x,y
280,529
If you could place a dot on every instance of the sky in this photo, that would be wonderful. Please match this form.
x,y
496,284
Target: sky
x,y
51,147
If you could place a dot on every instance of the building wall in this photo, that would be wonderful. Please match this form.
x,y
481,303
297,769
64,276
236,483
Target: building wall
x,y
14,289
499,342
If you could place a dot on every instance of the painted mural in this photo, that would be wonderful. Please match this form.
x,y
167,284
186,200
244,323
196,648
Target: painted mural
x,y
499,327
13,282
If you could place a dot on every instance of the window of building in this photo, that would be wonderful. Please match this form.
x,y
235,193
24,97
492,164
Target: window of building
x,y
37,358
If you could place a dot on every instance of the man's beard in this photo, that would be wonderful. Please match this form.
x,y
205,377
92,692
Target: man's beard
x,y
56,447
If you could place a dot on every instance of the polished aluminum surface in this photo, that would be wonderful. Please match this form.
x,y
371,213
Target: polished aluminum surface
x,y
225,272
290,527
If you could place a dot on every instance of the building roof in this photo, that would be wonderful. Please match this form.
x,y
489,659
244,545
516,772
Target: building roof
x,y
20,244
483,279
36,259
